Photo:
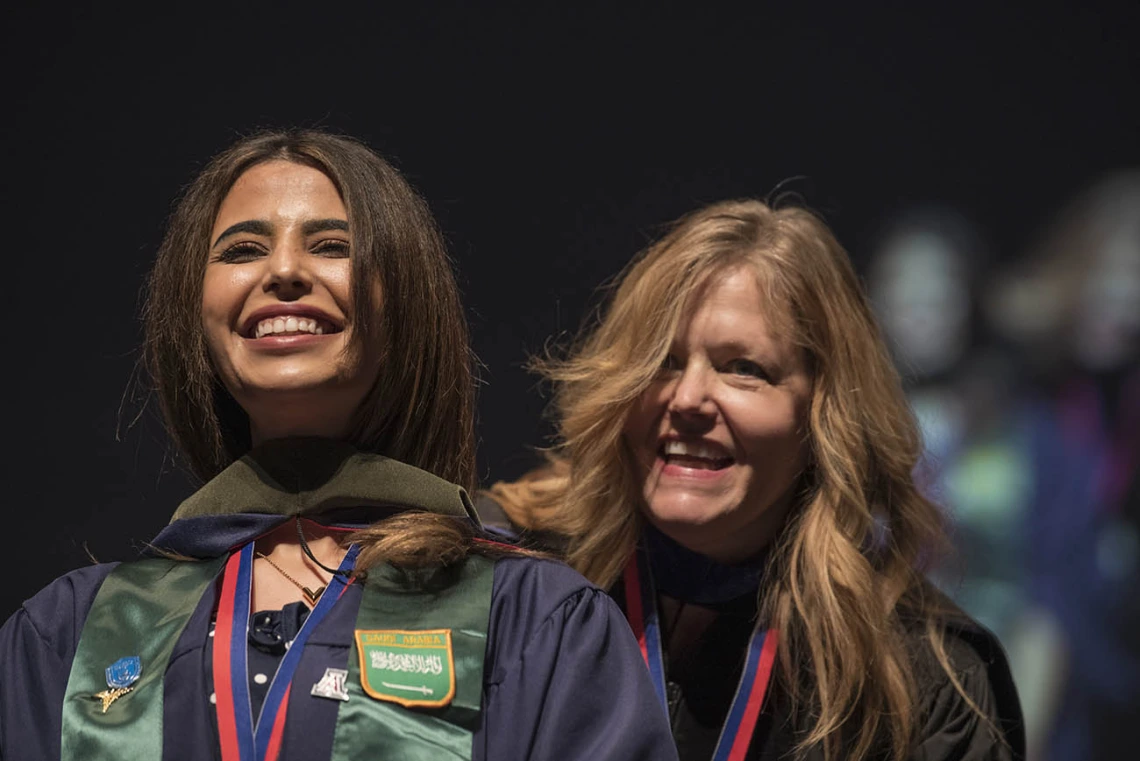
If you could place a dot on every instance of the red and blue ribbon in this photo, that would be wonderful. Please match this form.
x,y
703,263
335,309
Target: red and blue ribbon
x,y
244,737
641,610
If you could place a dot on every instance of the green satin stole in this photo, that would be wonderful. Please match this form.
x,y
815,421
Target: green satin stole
x,y
456,598
142,608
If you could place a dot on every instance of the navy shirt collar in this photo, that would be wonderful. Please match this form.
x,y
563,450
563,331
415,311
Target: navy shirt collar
x,y
683,574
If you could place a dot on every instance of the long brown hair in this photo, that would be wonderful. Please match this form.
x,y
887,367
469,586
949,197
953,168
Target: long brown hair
x,y
420,409
846,578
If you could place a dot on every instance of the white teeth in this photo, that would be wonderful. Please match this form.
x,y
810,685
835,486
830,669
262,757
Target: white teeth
x,y
695,449
287,325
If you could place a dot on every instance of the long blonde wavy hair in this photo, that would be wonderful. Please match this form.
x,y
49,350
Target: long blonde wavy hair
x,y
846,577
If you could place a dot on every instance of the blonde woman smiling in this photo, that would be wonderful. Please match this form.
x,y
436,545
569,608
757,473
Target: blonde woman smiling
x,y
734,464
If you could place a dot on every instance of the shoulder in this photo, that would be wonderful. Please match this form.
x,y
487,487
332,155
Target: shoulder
x,y
492,515
536,588
557,647
981,670
500,526
536,601
56,613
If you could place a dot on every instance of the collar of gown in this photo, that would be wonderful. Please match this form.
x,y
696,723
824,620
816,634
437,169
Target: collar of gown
x,y
689,576
328,480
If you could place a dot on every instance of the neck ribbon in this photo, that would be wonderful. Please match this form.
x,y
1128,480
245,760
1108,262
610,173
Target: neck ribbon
x,y
245,737
641,610
142,607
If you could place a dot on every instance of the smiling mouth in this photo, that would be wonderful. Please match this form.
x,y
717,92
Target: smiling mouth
x,y
290,326
697,455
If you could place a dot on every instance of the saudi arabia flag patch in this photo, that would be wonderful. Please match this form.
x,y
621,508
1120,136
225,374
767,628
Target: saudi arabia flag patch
x,y
412,668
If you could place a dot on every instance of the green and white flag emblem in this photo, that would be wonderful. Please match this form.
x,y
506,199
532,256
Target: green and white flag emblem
x,y
412,668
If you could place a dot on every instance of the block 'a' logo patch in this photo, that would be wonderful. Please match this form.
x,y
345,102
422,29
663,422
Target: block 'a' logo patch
x,y
412,668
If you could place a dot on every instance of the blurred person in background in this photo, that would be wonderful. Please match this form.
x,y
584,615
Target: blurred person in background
x,y
925,279
1073,305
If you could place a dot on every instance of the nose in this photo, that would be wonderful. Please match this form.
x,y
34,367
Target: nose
x,y
286,273
691,396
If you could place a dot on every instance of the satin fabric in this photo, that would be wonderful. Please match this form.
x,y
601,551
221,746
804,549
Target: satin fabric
x,y
141,609
131,616
369,728
563,678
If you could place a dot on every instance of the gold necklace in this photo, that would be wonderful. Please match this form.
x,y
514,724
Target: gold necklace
x,y
311,596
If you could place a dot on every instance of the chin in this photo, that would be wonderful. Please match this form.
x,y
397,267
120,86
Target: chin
x,y
286,388
680,514
290,378
702,538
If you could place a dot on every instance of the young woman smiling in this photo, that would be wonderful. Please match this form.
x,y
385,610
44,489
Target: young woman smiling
x,y
326,593
734,463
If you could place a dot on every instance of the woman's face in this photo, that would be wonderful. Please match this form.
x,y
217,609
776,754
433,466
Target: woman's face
x,y
923,299
718,438
1107,325
276,303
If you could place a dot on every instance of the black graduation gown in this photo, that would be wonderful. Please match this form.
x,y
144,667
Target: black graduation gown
x,y
563,678
701,688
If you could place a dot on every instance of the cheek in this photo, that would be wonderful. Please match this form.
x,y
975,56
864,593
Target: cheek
x,y
643,416
215,334
223,294
639,435
335,275
634,425
770,429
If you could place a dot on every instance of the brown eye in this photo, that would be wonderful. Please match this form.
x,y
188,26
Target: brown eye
x,y
240,252
333,249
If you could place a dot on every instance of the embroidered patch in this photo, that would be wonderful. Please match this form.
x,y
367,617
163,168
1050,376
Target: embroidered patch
x,y
412,668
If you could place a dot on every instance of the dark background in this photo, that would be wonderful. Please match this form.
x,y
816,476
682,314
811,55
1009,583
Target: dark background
x,y
552,144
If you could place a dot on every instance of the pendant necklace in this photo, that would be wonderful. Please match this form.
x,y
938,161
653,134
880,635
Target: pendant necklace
x,y
311,596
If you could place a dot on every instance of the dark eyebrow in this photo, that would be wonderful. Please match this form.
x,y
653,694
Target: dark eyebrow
x,y
321,225
261,227
255,226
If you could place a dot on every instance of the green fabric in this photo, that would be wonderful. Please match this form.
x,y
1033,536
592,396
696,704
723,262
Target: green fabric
x,y
457,598
300,476
140,609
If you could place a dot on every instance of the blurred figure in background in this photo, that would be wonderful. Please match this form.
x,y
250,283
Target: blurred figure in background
x,y
925,279
1074,308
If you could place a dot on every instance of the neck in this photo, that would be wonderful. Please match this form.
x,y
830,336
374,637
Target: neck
x,y
718,548
738,544
272,589
285,415
689,575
